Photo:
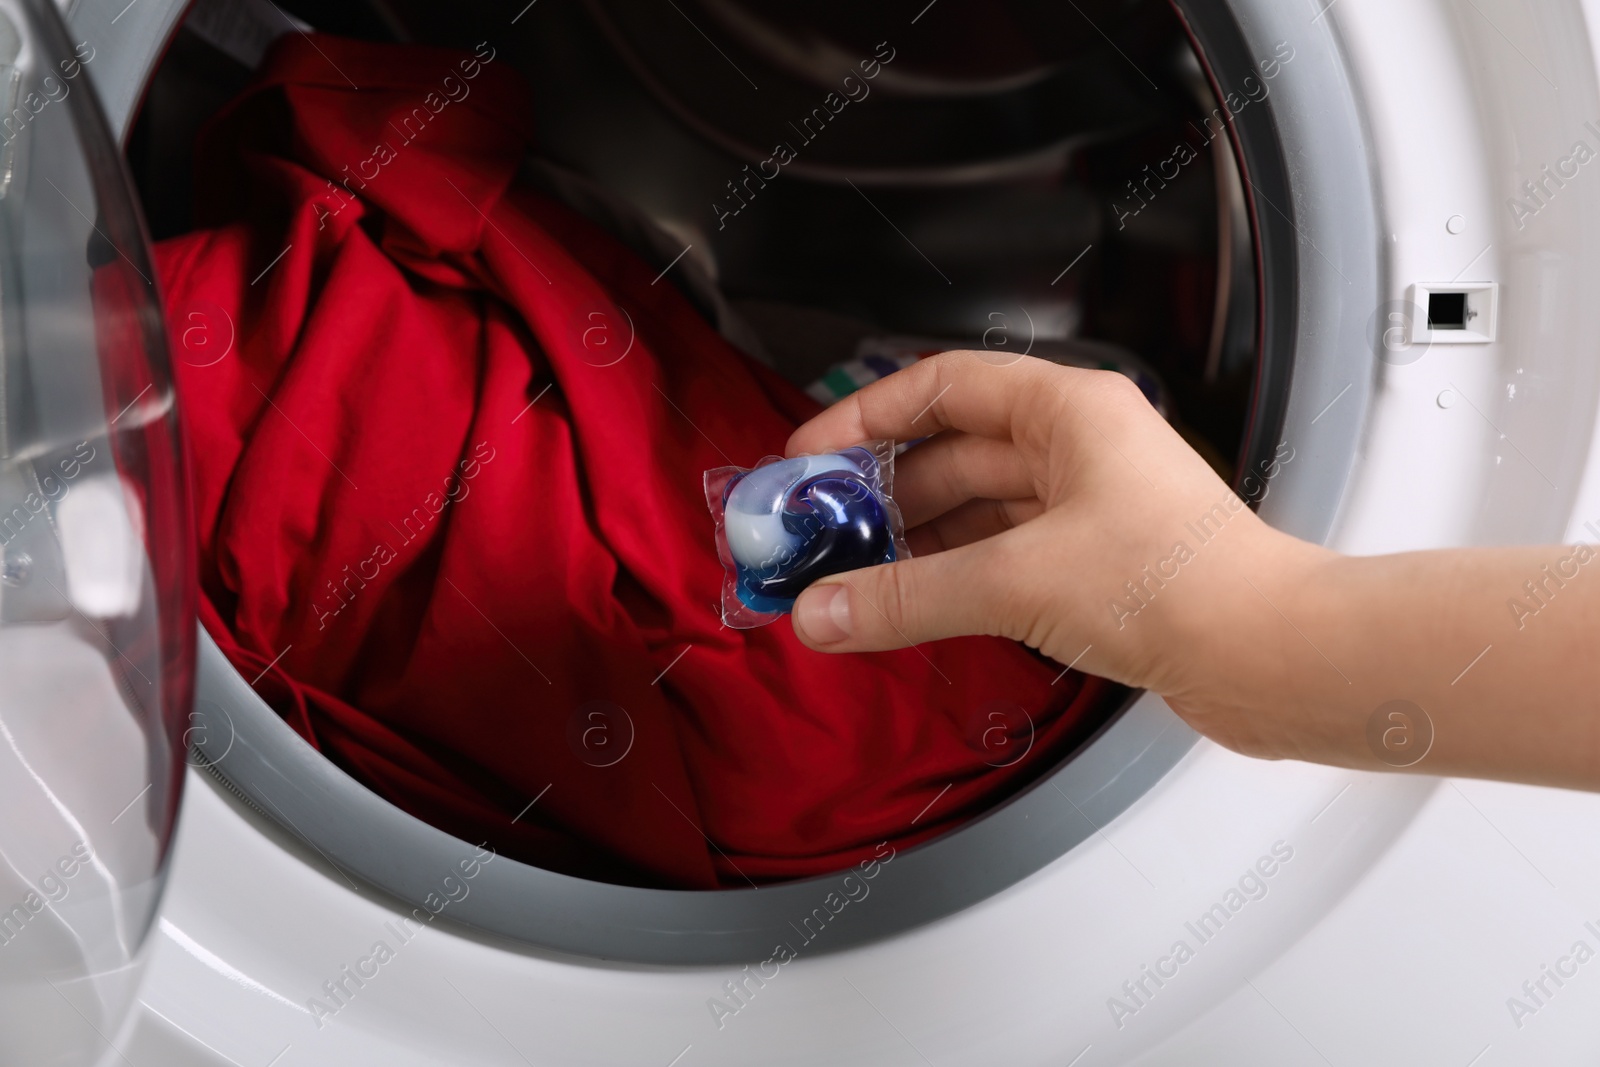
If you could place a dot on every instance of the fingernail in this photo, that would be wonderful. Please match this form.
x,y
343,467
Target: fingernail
x,y
823,614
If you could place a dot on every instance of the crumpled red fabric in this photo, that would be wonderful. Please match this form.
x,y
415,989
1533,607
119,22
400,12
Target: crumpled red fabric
x,y
447,442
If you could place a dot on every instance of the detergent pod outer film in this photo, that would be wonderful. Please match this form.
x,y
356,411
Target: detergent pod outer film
x,y
784,523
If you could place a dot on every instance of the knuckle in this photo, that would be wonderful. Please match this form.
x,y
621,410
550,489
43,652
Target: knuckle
x,y
953,472
1098,398
897,600
1114,388
923,397
1009,608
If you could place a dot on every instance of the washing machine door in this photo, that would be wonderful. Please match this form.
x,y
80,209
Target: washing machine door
x,y
96,573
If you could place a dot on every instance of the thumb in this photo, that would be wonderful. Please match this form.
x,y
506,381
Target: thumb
x,y
947,594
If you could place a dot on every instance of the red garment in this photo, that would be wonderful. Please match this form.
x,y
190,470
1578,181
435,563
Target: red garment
x,y
435,500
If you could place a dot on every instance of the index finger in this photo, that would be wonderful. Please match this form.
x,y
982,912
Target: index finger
x,y
952,390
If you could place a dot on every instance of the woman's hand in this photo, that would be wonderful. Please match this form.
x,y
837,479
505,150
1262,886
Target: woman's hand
x,y
1051,505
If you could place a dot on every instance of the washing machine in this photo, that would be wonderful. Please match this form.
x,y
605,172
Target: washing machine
x,y
1387,219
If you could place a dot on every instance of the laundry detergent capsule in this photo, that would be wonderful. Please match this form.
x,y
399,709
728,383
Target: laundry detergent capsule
x,y
785,523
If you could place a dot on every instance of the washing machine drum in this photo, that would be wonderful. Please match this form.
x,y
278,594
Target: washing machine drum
x,y
1036,213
